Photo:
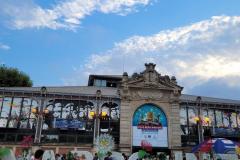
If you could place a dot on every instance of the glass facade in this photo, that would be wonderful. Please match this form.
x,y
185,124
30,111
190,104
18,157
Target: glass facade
x,y
69,119
216,123
64,120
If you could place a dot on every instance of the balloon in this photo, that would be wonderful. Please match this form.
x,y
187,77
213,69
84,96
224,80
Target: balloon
x,y
141,153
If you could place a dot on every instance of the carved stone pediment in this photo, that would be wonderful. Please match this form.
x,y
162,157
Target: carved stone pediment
x,y
150,78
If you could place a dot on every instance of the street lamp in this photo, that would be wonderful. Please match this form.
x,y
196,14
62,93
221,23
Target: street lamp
x,y
40,114
199,120
96,119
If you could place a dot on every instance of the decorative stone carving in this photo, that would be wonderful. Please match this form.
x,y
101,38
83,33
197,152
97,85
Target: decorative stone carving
x,y
149,79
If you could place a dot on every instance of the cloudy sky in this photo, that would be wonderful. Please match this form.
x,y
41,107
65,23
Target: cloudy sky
x,y
61,42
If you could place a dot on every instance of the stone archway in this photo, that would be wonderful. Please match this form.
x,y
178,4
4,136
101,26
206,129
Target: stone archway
x,y
149,127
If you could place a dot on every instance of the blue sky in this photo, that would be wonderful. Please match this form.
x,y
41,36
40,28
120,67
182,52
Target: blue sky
x,y
61,42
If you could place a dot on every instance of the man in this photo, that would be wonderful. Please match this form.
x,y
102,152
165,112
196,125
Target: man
x,y
95,157
38,154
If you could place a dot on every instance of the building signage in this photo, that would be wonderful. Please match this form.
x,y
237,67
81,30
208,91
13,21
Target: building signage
x,y
74,123
150,127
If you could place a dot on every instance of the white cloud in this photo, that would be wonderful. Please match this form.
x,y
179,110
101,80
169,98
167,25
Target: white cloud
x,y
4,46
66,14
195,54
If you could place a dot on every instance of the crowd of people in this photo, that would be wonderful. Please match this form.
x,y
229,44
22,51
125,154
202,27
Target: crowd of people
x,y
49,155
39,155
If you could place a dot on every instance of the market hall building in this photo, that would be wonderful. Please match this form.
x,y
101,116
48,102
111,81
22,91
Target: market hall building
x,y
145,110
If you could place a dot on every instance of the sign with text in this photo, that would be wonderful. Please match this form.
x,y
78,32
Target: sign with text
x,y
73,123
149,127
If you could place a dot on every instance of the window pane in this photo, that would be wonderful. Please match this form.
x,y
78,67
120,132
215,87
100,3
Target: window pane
x,y
32,123
183,116
97,82
57,110
192,114
34,105
233,119
238,119
211,117
226,119
14,117
66,113
184,130
204,115
219,118
104,83
6,107
25,113
3,122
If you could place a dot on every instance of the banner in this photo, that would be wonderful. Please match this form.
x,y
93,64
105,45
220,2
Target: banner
x,y
74,123
149,127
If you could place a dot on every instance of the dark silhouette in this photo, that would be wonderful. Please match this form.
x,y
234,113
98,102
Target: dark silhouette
x,y
38,154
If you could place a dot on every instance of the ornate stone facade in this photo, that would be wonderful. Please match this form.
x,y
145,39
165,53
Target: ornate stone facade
x,y
149,87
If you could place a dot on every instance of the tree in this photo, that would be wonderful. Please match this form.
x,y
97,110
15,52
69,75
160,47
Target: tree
x,y
12,77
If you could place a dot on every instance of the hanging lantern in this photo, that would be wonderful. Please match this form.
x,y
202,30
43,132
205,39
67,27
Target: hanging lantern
x,y
34,110
196,119
104,114
207,119
92,114
46,111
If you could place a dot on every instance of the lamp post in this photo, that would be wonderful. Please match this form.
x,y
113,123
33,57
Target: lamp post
x,y
96,119
199,121
39,113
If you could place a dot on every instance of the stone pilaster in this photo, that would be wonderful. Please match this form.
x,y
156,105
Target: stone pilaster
x,y
175,131
125,127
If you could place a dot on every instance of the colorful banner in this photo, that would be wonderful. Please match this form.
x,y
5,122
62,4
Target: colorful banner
x,y
150,127
64,123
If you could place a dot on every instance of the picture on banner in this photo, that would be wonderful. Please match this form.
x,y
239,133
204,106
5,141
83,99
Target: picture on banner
x,y
150,126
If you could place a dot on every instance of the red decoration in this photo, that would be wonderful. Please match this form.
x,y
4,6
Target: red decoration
x,y
146,145
27,141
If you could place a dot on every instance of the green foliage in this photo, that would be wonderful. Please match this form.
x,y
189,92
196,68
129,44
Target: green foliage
x,y
12,77
4,152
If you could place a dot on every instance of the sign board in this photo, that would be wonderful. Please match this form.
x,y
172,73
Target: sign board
x,y
150,127
73,123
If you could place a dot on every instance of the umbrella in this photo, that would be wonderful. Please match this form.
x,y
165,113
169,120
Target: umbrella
x,y
218,145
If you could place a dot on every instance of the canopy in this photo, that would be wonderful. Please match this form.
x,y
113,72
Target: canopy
x,y
217,145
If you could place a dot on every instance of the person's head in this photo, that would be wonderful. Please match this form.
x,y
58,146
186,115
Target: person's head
x,y
38,154
96,155
109,154
64,155
75,155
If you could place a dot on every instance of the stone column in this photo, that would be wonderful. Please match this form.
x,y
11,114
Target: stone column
x,y
125,127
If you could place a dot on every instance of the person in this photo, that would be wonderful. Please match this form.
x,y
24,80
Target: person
x,y
38,154
83,157
75,156
95,157
64,157
57,157
108,156
124,156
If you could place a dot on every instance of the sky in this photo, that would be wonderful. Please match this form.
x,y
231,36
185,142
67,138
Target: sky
x,y
61,42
